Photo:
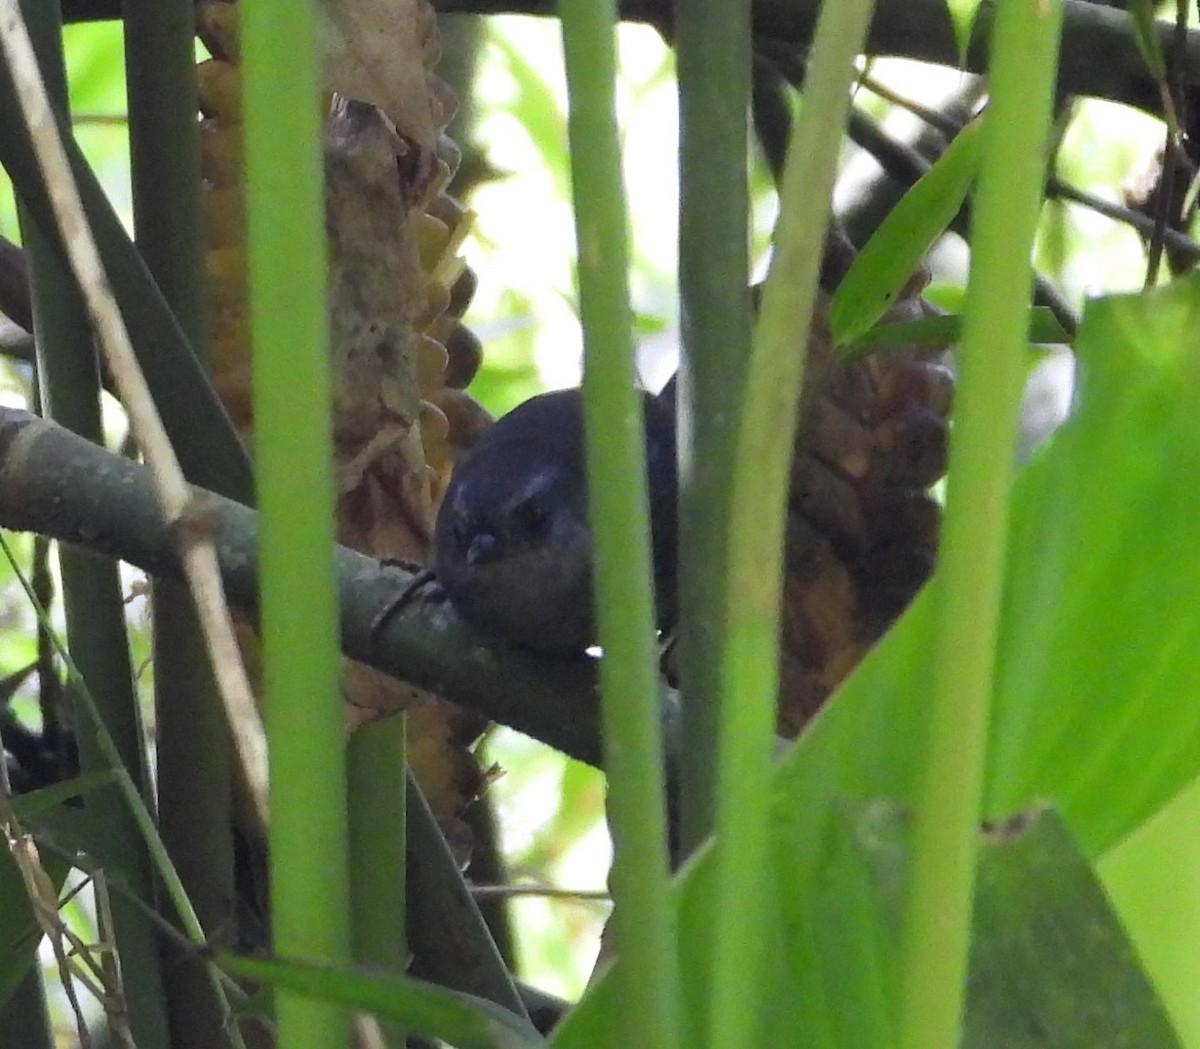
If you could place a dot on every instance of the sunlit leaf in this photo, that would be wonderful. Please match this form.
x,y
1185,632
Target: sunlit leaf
x,y
1161,862
1099,657
536,108
888,260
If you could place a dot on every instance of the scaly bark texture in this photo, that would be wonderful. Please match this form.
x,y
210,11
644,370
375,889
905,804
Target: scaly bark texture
x,y
862,524
397,289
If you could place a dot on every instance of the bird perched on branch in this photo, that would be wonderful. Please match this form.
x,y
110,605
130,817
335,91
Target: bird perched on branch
x,y
512,546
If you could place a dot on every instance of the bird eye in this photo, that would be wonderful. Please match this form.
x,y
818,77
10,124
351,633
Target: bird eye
x,y
532,517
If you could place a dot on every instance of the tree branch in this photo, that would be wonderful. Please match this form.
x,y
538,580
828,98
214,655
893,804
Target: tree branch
x,y
1100,56
14,285
1099,51
60,485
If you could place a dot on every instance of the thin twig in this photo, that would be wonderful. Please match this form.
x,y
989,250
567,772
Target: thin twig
x,y
948,126
133,798
50,690
1172,239
483,892
100,119
1170,88
116,1006
44,902
203,951
186,519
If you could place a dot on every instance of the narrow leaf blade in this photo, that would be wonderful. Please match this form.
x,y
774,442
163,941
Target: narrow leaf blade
x,y
889,258
423,1008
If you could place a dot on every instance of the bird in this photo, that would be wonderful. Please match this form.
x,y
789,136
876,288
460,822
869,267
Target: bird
x,y
512,546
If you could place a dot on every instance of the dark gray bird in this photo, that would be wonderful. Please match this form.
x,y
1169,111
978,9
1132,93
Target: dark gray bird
x,y
512,547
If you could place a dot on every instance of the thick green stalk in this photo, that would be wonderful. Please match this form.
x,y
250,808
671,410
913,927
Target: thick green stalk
x,y
758,487
165,153
199,429
195,773
712,44
92,598
644,916
294,456
376,799
193,752
974,535
164,145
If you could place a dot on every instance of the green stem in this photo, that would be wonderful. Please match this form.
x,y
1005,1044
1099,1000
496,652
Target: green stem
x,y
164,144
94,610
199,429
194,749
644,914
974,535
749,656
712,43
376,797
294,455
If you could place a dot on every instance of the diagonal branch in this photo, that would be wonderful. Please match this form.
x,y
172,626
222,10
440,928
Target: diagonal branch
x,y
1100,56
58,484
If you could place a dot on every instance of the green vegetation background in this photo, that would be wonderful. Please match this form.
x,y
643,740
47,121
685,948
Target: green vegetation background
x,y
551,810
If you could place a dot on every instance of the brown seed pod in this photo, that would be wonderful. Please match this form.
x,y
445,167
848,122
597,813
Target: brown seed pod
x,y
220,85
465,354
218,25
862,526
393,260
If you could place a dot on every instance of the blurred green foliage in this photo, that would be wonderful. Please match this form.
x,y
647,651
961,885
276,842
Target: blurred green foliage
x,y
551,810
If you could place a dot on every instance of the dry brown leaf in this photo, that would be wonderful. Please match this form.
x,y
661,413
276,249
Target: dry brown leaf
x,y
379,51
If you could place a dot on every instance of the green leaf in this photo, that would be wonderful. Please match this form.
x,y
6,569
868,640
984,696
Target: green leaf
x,y
1051,966
1044,328
1099,654
894,251
962,14
539,113
1099,664
1050,963
1145,33
36,803
423,1008
1159,862
864,744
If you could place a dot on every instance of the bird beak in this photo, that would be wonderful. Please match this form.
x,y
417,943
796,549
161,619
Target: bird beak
x,y
484,547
